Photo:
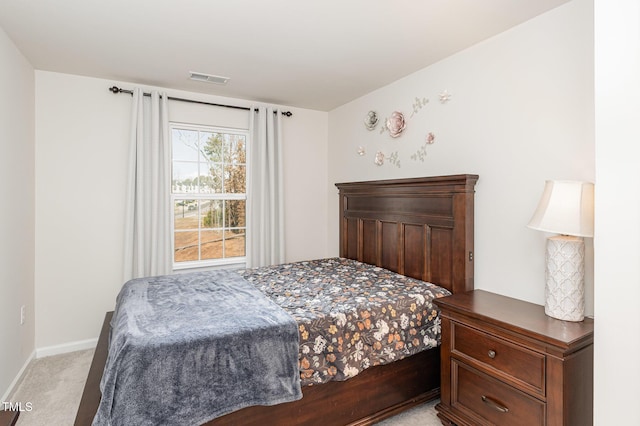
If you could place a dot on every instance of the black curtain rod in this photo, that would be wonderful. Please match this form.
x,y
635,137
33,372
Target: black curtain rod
x,y
116,90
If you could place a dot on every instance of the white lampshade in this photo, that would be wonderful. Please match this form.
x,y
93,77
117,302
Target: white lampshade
x,y
566,208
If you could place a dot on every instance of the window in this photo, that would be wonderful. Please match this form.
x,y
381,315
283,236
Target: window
x,y
208,191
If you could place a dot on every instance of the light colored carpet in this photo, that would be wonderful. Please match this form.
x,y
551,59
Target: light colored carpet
x,y
54,386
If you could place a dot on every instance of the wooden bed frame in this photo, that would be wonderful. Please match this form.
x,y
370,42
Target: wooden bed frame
x,y
419,227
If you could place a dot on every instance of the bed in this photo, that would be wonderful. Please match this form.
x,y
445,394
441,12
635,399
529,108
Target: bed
x,y
421,228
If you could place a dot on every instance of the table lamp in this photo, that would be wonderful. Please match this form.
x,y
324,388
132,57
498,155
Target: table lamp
x,y
566,208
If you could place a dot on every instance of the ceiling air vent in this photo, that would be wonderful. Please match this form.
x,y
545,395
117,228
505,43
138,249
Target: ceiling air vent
x,y
208,78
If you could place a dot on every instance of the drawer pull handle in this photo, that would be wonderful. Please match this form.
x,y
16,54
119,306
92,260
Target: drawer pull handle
x,y
492,354
491,403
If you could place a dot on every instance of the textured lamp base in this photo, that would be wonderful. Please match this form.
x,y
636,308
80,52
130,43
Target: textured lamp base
x,y
564,291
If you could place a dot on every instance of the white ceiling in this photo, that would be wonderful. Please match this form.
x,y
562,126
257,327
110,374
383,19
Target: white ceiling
x,y
309,54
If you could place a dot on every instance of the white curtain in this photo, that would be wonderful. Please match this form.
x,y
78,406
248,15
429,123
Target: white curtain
x,y
147,250
265,202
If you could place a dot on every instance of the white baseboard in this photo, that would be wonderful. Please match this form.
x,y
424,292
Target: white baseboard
x,y
49,351
13,384
66,347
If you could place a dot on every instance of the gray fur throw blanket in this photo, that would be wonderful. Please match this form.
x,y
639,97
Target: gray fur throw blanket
x,y
187,348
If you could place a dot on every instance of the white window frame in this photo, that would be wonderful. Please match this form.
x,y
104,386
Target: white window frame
x,y
208,263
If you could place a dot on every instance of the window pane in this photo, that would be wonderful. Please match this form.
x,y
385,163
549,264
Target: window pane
x,y
185,144
186,246
235,179
228,141
237,150
211,213
234,213
185,214
184,177
212,147
212,245
234,243
212,182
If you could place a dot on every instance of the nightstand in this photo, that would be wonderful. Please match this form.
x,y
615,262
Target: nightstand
x,y
504,362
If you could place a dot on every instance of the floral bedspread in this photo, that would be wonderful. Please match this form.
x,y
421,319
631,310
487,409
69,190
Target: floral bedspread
x,y
351,315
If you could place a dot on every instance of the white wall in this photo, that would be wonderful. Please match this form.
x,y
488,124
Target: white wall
x,y
521,112
617,230
81,157
81,163
17,223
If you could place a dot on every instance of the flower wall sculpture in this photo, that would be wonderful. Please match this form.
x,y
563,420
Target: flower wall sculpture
x,y
393,159
396,124
445,96
379,158
418,104
371,120
421,153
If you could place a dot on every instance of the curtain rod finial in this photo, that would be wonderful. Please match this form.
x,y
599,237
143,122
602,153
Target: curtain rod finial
x,y
115,89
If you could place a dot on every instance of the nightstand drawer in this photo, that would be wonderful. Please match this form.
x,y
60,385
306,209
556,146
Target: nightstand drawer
x,y
477,394
517,363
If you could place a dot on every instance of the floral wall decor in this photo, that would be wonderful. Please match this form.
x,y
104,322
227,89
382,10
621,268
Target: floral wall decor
x,y
444,96
391,158
371,120
421,153
396,125
418,104
379,158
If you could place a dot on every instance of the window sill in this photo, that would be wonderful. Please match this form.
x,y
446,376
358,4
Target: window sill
x,y
185,267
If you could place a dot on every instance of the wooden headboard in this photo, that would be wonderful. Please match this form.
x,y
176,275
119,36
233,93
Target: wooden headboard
x,y
419,227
